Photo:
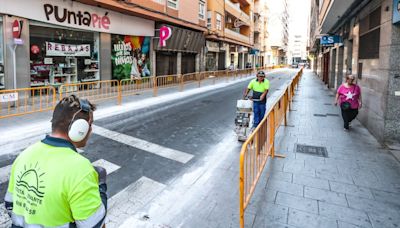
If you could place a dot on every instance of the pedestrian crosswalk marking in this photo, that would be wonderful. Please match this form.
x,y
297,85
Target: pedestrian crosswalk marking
x,y
110,167
5,173
129,201
153,148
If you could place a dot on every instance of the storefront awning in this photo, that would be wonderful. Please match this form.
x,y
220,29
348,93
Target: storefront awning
x,y
181,40
254,51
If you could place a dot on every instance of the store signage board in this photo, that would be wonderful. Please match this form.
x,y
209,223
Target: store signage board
x,y
8,97
212,46
396,11
77,15
48,61
56,49
330,41
165,34
18,41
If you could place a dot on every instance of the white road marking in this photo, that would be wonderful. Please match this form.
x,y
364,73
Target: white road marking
x,y
165,152
5,173
130,200
110,167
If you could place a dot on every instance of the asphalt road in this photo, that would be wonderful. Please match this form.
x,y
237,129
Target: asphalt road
x,y
192,125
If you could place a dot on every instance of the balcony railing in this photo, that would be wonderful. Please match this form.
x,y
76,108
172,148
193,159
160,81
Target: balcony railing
x,y
257,26
237,36
239,12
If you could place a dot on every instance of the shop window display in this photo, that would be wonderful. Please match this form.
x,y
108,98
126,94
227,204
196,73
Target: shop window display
x,y
2,83
61,56
130,57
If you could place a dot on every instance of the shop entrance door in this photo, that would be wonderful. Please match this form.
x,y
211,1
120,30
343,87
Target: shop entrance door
x,y
166,63
240,61
211,61
221,61
325,73
188,63
340,67
332,78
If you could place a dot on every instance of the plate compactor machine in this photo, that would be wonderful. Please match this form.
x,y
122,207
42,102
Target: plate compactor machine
x,y
244,119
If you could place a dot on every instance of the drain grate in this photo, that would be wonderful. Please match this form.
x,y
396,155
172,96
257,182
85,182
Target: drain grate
x,y
320,115
331,95
287,125
312,150
332,114
328,104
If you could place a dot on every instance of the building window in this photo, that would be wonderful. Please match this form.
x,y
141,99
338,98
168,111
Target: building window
x,y
173,4
219,21
130,56
209,13
60,56
2,85
202,9
370,35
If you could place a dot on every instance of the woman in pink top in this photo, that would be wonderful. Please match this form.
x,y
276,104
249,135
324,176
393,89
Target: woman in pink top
x,y
349,97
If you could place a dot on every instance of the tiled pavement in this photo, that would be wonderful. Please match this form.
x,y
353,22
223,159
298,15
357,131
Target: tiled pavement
x,y
357,185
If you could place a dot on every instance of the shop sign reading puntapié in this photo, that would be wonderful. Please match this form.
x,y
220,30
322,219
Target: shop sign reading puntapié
x,y
77,15
80,18
56,49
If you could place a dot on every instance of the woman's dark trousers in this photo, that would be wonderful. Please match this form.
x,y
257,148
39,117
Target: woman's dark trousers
x,y
349,115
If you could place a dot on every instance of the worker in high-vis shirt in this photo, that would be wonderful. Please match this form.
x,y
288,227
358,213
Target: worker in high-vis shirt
x,y
260,87
51,185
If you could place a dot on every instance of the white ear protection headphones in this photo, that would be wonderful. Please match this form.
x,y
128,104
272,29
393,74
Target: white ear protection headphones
x,y
78,129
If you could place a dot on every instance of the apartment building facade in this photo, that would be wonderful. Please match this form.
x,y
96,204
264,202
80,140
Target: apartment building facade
x,y
369,32
278,32
229,40
259,51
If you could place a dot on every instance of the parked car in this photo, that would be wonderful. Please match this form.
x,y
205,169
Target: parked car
x,y
295,65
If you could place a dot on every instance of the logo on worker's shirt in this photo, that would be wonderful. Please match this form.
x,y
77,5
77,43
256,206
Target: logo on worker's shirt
x,y
29,188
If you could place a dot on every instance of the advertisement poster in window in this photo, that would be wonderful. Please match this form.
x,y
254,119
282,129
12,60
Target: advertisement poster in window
x,y
130,57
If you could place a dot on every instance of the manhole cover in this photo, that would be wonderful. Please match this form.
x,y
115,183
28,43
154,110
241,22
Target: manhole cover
x,y
332,114
312,150
320,115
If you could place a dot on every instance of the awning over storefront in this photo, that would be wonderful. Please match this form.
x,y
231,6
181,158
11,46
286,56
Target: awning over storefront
x,y
254,51
181,40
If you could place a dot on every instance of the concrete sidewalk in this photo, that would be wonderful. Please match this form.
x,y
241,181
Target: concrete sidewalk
x,y
356,185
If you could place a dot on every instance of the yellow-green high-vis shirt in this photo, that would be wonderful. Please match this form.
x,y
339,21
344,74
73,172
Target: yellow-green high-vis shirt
x,y
53,186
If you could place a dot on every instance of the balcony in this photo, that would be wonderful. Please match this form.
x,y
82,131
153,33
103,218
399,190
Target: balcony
x,y
237,36
235,10
257,26
258,9
258,46
329,13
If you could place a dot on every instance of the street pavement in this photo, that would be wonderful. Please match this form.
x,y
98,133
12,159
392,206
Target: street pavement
x,y
145,143
176,163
